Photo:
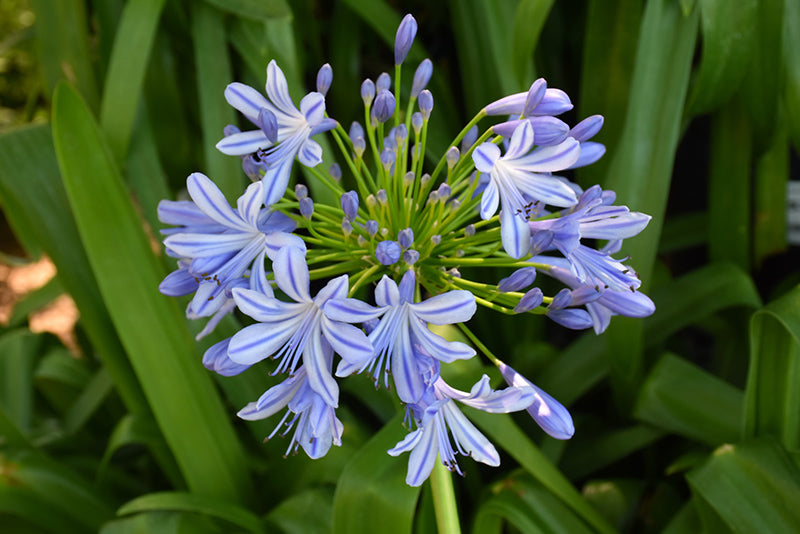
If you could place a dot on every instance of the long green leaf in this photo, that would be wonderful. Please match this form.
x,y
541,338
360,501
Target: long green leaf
x,y
254,9
770,183
189,502
125,76
609,51
197,428
773,381
641,165
62,39
33,192
372,489
18,354
502,431
529,19
728,37
791,62
682,398
752,486
25,504
730,188
696,295
213,75
525,504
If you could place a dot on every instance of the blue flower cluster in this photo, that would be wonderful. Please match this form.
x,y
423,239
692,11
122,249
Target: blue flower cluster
x,y
391,253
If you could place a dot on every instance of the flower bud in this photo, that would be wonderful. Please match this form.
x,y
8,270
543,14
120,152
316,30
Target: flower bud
x,y
367,91
404,38
452,156
469,138
372,227
519,279
306,207
425,103
300,191
587,128
529,301
410,256
347,228
335,171
349,203
421,77
405,237
383,83
469,230
535,95
388,252
384,106
230,130
416,122
324,79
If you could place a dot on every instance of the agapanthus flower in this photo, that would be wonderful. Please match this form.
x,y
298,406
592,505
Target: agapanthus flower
x,y
438,419
402,340
545,410
219,244
284,131
314,420
594,217
520,178
298,332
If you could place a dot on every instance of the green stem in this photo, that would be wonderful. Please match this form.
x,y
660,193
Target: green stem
x,y
444,500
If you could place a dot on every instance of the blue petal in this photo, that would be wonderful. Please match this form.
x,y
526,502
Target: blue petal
x,y
349,342
485,156
310,153
514,232
351,310
469,438
407,380
318,366
205,245
275,241
278,90
437,347
249,204
291,274
178,283
521,141
243,143
256,342
246,99
266,309
386,292
490,200
423,456
448,308
212,202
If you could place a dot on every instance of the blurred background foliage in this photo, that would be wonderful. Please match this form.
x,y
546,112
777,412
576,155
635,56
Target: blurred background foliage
x,y
688,421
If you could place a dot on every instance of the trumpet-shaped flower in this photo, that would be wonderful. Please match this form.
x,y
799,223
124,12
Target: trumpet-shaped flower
x,y
220,244
545,410
404,346
521,178
315,422
438,418
298,332
284,131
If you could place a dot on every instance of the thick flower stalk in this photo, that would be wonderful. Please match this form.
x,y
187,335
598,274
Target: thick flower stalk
x,y
400,257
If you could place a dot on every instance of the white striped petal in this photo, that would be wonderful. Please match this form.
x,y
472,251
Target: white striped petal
x,y
407,379
249,204
521,141
243,143
318,367
423,456
275,241
212,202
256,342
469,438
550,158
456,306
266,309
246,99
350,310
349,342
438,347
514,232
291,273
490,200
386,292
207,245
278,90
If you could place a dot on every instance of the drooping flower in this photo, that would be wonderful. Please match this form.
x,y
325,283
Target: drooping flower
x,y
438,419
519,179
545,410
404,346
314,420
298,332
594,217
284,131
220,245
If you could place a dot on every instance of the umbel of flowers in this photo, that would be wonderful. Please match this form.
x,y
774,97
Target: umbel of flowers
x,y
389,254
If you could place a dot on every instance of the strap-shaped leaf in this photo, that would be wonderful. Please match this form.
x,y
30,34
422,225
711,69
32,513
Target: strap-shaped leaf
x,y
150,326
641,167
192,502
372,489
752,486
772,396
682,398
502,431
